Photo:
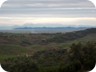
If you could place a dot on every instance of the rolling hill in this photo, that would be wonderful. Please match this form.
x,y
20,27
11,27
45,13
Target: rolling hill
x,y
48,52
22,44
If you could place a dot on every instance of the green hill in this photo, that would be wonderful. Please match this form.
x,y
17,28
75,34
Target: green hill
x,y
22,44
48,52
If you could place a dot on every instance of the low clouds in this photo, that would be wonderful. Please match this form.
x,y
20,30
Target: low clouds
x,y
49,12
48,3
18,7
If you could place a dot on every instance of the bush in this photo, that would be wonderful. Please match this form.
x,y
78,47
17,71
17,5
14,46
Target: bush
x,y
85,54
23,64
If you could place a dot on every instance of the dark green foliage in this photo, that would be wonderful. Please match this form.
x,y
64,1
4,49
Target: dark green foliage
x,y
47,52
73,66
79,58
85,54
20,64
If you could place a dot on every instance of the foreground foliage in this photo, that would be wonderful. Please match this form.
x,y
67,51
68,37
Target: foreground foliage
x,y
78,58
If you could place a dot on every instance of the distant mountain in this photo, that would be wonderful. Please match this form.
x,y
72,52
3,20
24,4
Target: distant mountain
x,y
49,29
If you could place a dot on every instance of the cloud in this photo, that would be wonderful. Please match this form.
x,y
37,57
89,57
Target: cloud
x,y
49,12
45,9
47,4
43,6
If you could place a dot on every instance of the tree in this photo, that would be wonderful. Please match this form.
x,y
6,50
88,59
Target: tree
x,y
85,54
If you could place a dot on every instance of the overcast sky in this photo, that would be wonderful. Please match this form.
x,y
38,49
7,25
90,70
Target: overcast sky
x,y
46,12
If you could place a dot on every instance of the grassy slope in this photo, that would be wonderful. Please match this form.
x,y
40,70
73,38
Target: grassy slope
x,y
90,37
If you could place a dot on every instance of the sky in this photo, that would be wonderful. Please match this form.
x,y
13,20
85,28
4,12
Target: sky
x,y
47,13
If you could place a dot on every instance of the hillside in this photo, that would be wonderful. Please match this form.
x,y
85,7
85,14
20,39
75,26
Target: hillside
x,y
79,57
31,38
48,52
22,44
70,36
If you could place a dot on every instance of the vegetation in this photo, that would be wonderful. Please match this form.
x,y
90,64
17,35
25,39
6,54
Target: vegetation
x,y
80,57
58,52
